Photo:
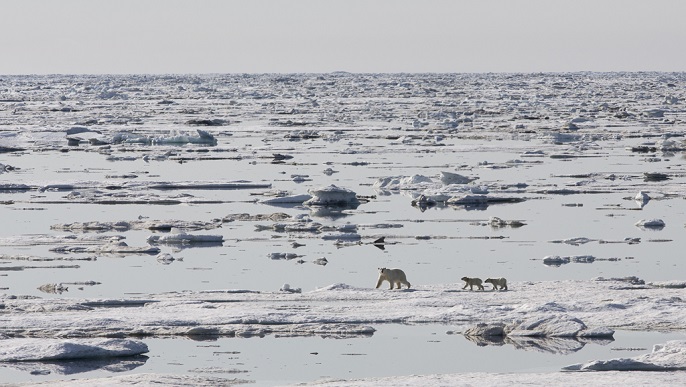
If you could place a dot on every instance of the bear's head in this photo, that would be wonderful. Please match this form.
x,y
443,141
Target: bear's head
x,y
382,269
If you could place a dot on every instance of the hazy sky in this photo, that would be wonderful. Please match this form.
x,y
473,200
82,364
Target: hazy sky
x,y
258,36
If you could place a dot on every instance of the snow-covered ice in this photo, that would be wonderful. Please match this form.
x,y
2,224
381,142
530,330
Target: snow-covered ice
x,y
444,175
589,309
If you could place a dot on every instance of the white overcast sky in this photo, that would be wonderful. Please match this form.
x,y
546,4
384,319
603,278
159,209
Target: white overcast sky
x,y
285,36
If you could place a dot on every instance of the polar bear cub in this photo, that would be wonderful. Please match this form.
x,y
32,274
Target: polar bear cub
x,y
393,276
471,282
497,282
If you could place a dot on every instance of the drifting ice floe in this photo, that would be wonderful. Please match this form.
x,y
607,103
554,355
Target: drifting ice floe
x,y
175,137
121,226
114,247
555,326
332,196
28,349
670,356
179,237
287,200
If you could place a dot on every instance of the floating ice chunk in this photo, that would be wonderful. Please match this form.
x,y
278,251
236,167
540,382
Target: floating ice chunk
x,y
115,247
656,224
332,196
320,261
175,137
292,199
129,138
574,241
534,153
670,356
179,237
642,198
480,200
394,183
469,199
53,288
55,349
14,187
556,260
345,236
497,222
555,326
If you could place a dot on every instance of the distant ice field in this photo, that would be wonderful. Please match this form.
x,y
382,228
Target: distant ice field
x,y
123,187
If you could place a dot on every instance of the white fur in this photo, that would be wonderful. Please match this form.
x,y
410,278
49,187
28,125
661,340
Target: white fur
x,y
497,282
393,276
471,282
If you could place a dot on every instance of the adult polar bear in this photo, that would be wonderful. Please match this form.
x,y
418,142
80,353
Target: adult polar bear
x,y
502,282
393,276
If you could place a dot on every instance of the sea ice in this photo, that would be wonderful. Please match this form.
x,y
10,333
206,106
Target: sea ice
x,y
31,349
332,196
178,236
670,356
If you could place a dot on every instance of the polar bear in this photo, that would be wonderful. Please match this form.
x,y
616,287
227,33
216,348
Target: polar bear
x,y
471,282
497,282
393,276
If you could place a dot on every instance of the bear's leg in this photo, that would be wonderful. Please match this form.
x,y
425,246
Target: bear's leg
x,y
465,286
378,283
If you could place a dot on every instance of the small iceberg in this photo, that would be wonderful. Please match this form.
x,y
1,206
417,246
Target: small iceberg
x,y
642,199
332,196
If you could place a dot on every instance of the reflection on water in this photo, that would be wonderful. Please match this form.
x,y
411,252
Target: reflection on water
x,y
71,367
553,345
392,350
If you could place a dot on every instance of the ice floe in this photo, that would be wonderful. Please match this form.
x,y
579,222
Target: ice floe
x,y
31,349
179,237
670,356
332,196
591,310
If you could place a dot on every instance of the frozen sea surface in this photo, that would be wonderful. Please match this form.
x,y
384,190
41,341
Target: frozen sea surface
x,y
120,190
